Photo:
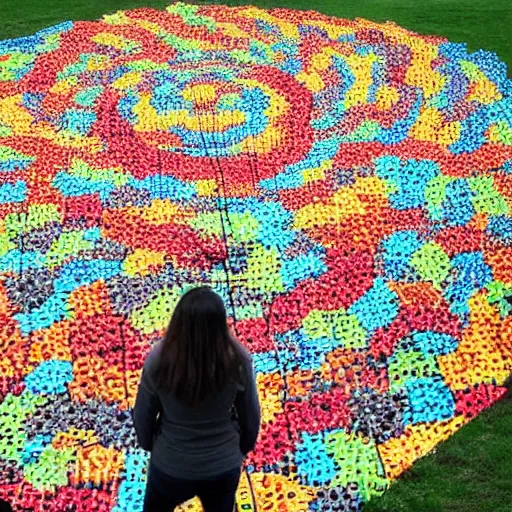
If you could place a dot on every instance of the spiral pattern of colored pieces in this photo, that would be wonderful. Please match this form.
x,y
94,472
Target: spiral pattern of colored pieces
x,y
346,186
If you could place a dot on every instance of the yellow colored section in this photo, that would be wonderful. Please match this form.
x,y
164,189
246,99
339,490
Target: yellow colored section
x,y
162,211
201,93
312,81
267,487
98,63
232,30
288,30
420,72
399,453
127,80
149,120
317,173
141,261
206,187
477,358
485,92
109,39
269,390
343,203
361,66
14,116
386,97
333,31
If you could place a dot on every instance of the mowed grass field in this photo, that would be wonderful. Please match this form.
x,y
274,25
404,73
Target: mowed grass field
x,y
472,471
481,24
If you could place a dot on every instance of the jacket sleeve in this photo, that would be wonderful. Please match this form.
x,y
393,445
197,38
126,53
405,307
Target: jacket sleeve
x,y
247,406
146,411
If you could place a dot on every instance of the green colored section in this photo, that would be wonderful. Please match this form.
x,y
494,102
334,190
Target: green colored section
x,y
208,224
408,365
146,65
435,194
432,263
7,153
16,62
359,462
254,310
470,472
486,199
6,244
500,294
5,131
188,13
336,324
181,44
242,227
114,176
264,270
472,71
68,244
366,131
13,412
155,316
88,97
51,468
504,133
38,215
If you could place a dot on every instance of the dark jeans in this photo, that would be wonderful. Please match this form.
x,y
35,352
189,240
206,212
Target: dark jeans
x,y
164,493
5,507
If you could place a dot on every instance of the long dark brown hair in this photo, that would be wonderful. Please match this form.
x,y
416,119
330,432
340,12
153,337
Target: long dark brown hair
x,y
198,354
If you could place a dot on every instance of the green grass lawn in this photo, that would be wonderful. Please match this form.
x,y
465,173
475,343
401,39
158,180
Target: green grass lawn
x,y
472,471
486,24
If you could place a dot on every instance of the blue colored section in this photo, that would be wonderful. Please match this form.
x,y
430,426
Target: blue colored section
x,y
292,176
33,449
378,307
16,261
78,122
400,129
313,351
302,267
398,249
54,309
30,44
312,460
50,377
471,274
274,220
253,103
165,187
473,128
13,192
436,343
457,206
500,226
410,178
32,102
125,107
133,485
15,164
71,186
78,273
168,97
265,362
430,400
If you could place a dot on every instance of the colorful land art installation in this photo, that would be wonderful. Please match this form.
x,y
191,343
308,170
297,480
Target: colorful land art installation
x,y
346,186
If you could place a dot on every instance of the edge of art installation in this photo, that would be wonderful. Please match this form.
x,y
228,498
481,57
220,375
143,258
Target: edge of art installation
x,y
345,186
